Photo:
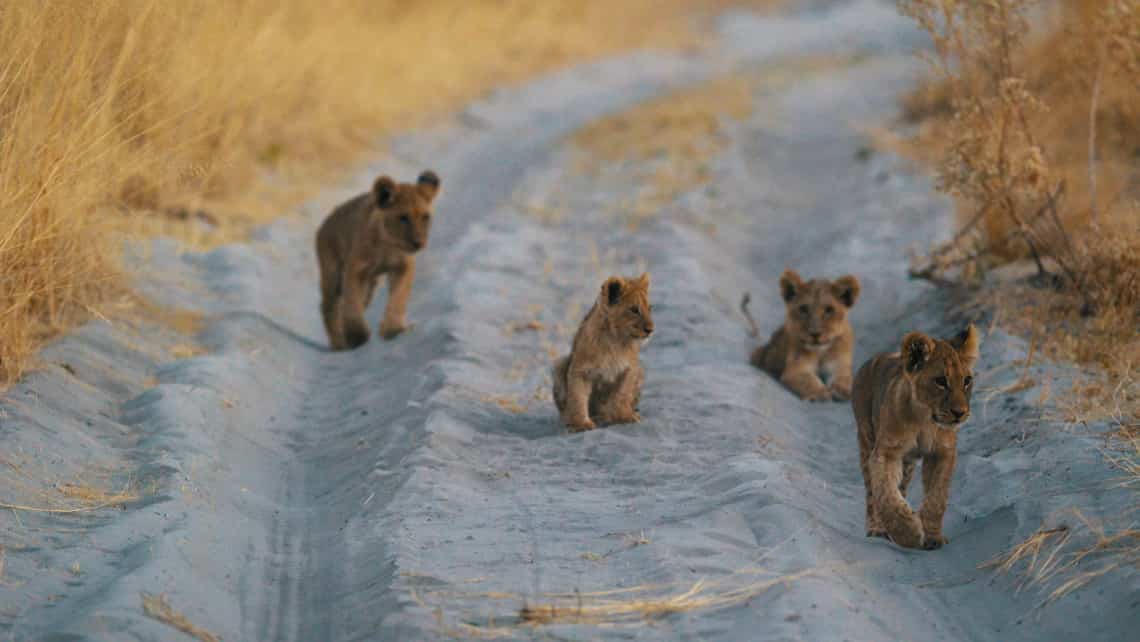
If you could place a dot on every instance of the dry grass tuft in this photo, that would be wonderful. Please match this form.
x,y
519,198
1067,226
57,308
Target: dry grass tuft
x,y
79,499
166,118
647,603
91,491
627,606
1052,557
1045,561
1039,552
156,607
1037,137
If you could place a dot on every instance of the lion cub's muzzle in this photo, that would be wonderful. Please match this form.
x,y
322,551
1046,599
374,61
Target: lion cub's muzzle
x,y
646,330
952,417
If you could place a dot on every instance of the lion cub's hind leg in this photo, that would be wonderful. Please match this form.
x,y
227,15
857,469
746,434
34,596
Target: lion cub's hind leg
x,y
558,374
330,303
576,414
874,527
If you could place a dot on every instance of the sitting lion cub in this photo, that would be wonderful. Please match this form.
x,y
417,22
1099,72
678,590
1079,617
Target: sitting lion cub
x,y
908,406
369,236
816,337
601,377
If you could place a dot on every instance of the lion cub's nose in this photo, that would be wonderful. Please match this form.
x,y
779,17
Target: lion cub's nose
x,y
958,414
815,336
648,328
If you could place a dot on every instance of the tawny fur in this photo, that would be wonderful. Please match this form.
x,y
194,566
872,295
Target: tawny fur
x,y
908,407
816,339
600,380
372,235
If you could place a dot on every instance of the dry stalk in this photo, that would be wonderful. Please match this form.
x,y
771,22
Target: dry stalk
x,y
156,607
626,606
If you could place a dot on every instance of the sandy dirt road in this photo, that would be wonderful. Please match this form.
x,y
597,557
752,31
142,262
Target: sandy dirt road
x,y
423,488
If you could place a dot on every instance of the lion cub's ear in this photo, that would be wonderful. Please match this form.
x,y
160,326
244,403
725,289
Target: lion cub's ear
x,y
384,190
428,184
612,290
642,281
846,289
967,343
916,349
790,285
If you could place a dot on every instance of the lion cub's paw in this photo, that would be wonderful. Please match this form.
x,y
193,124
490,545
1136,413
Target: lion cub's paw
x,y
389,332
580,426
907,538
629,417
820,394
841,391
934,541
355,337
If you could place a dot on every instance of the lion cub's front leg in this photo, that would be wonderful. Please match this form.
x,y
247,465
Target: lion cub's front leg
x,y
621,406
801,377
399,289
890,507
577,413
840,369
936,474
354,291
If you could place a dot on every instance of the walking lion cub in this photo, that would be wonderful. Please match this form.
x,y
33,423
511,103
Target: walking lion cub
x,y
816,337
908,406
600,380
371,235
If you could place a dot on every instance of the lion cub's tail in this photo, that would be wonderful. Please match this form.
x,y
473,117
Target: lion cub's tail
x,y
753,329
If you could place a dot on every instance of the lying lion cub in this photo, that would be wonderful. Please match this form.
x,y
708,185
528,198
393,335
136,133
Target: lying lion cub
x,y
816,337
601,377
369,236
908,406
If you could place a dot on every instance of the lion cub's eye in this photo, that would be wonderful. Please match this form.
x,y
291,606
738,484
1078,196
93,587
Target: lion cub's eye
x,y
635,310
828,311
969,381
804,310
942,383
405,219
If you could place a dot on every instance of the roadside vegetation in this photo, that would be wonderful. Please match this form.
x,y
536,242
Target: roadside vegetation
x,y
1031,116
1034,129
200,119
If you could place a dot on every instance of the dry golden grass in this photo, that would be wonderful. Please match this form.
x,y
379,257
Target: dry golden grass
x,y
616,607
1038,138
155,117
89,490
666,145
156,607
1045,562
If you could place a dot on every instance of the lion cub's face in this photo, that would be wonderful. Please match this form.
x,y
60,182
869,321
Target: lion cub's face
x,y
817,309
625,303
941,373
405,209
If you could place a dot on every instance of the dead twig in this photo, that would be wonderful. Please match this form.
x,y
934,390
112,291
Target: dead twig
x,y
753,329
156,607
1093,103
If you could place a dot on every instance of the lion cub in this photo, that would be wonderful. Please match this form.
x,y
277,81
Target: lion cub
x,y
816,337
908,406
374,234
601,377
